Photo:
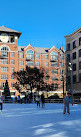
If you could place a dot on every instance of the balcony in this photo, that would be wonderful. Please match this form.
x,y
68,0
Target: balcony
x,y
53,60
3,56
29,59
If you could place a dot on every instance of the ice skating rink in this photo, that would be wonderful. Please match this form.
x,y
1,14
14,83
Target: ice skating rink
x,y
26,120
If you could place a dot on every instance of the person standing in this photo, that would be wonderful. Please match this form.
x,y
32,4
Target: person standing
x,y
43,100
67,100
1,102
38,100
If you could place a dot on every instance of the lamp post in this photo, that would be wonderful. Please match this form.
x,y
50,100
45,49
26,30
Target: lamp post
x,y
70,68
63,83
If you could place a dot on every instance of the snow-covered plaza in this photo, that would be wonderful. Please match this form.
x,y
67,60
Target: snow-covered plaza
x,y
26,120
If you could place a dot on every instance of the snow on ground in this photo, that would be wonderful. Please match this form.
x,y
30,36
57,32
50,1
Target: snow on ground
x,y
26,120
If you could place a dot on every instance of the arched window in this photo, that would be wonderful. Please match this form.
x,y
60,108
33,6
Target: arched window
x,y
29,51
4,50
54,53
29,54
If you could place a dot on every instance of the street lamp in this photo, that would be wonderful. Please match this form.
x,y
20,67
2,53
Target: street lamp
x,y
70,68
63,83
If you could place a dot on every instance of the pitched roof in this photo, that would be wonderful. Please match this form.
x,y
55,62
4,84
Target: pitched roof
x,y
39,49
42,50
5,29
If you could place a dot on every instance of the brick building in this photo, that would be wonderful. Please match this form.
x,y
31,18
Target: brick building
x,y
15,58
73,55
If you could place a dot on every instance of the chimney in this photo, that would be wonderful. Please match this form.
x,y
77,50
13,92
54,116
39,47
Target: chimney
x,y
61,48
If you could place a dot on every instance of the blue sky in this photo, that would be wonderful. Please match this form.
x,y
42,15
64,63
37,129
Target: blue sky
x,y
43,23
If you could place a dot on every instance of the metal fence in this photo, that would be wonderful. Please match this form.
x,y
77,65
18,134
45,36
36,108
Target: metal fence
x,y
75,101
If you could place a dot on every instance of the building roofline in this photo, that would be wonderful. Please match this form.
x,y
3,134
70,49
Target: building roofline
x,y
79,29
5,29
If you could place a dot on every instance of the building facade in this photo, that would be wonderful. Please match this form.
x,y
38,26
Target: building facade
x,y
15,58
73,57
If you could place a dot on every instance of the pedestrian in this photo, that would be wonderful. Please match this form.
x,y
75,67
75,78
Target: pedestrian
x,y
18,98
42,100
1,102
66,101
38,100
25,97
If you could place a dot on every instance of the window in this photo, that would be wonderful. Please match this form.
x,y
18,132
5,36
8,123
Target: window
x,y
12,76
68,80
4,54
5,49
12,54
4,61
54,78
61,78
46,64
21,63
74,55
37,56
2,84
21,55
74,67
46,71
74,79
28,86
54,58
29,54
74,44
61,71
68,46
80,53
12,69
79,64
61,56
61,65
46,56
79,41
54,86
54,71
79,77
61,85
29,51
54,55
4,69
37,64
12,85
21,69
12,62
4,77
53,64
29,63
68,57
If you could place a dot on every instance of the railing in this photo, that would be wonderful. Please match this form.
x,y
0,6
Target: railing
x,y
8,101
75,101
53,100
